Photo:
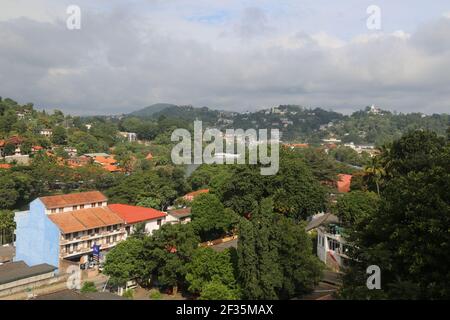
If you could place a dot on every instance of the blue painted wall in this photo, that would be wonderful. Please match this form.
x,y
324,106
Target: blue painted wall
x,y
37,237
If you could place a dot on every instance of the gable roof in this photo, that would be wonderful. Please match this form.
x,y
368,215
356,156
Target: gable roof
x,y
73,199
193,194
85,219
180,213
322,220
135,214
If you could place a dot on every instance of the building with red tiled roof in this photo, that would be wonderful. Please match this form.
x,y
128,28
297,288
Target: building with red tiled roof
x,y
5,166
343,184
85,219
191,195
149,156
66,227
133,215
74,201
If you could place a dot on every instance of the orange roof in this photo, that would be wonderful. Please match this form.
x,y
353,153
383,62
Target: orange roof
x,y
149,156
193,194
104,160
111,168
299,145
343,184
85,219
5,166
73,199
135,214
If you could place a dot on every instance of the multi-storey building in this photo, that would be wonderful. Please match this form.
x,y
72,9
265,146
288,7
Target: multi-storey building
x,y
66,227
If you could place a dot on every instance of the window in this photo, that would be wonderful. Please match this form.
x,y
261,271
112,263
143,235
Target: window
x,y
99,204
61,209
93,205
53,210
97,230
89,244
108,239
109,228
115,238
74,207
75,235
159,222
81,206
334,245
90,231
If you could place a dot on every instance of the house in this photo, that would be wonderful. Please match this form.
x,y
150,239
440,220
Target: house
x,y
46,132
129,136
331,246
182,215
108,163
5,166
15,141
134,215
98,154
72,152
63,229
344,182
35,149
191,195
149,156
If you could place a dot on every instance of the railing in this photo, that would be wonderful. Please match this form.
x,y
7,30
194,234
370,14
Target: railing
x,y
91,237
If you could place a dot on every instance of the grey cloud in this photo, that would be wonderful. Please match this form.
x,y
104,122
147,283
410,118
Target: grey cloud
x,y
117,63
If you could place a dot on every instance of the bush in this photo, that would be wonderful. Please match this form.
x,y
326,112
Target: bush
x,y
88,287
128,294
155,295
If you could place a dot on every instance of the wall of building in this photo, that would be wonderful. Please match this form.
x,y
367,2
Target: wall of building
x,y
152,225
78,207
37,238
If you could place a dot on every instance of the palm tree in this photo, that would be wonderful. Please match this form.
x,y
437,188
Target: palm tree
x,y
375,172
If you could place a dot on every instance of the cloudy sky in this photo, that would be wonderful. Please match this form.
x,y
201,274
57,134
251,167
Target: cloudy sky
x,y
228,54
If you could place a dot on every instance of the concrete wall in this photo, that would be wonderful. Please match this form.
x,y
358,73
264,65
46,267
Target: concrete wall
x,y
37,238
152,225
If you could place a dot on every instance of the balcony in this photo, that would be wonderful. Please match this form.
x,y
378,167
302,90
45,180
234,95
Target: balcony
x,y
93,236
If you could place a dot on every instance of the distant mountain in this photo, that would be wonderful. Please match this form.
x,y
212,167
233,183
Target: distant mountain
x,y
151,110
185,113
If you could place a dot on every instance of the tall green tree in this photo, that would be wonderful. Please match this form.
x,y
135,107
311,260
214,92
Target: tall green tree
x,y
124,262
210,219
408,237
209,266
275,259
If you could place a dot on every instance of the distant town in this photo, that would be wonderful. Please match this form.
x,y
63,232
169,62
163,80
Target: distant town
x,y
93,207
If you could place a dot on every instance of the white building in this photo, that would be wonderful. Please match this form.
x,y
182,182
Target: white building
x,y
182,215
46,132
331,246
152,219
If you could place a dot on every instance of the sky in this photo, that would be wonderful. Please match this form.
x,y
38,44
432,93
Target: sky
x,y
226,54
